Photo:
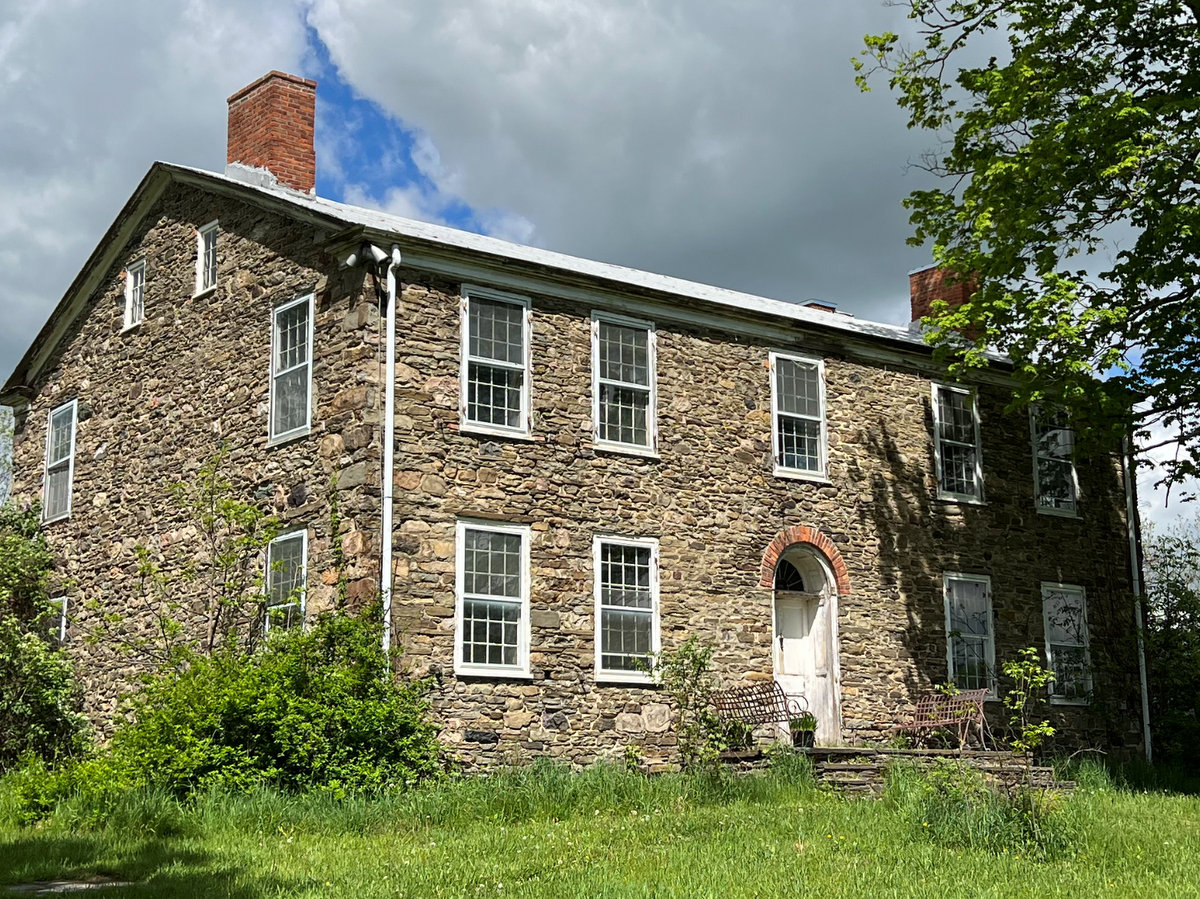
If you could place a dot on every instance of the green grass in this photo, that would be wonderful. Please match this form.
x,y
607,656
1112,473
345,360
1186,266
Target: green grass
x,y
543,832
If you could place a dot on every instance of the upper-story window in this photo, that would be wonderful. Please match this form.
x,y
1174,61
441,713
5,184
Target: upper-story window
x,y
970,640
1064,611
496,362
956,444
623,383
286,581
626,585
60,462
206,258
1054,478
135,293
491,634
291,369
798,415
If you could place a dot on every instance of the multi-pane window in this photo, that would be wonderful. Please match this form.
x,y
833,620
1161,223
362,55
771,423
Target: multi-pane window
x,y
956,444
286,581
1064,611
970,643
135,293
206,258
291,368
623,387
492,636
60,463
798,413
495,369
626,584
1053,460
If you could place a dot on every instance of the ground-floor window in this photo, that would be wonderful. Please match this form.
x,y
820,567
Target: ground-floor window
x,y
626,588
970,641
492,599
1064,610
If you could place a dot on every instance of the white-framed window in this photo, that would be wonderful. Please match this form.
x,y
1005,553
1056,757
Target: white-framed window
x,y
56,619
798,416
135,293
956,444
60,462
1064,614
286,581
624,392
625,578
1054,481
970,640
206,257
491,609
291,369
496,362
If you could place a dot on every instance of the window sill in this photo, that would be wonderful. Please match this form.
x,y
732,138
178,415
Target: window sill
x,y
130,328
794,474
493,672
63,517
1069,703
625,449
623,679
490,431
289,437
958,500
205,292
1058,513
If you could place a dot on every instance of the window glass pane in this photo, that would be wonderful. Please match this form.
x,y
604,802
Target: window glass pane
x,y
1065,617
494,395
208,262
1056,483
969,608
970,663
623,415
1072,680
291,401
292,342
798,388
496,330
285,576
625,576
1057,443
958,469
490,632
956,418
137,286
624,354
283,617
58,491
625,640
799,443
492,564
61,421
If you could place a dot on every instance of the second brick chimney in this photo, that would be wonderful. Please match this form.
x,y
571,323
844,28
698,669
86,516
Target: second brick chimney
x,y
271,127
928,284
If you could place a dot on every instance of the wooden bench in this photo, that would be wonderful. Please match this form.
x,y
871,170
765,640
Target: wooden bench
x,y
757,704
961,711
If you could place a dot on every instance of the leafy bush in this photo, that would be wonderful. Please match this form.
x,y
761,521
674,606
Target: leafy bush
x,y
312,709
39,698
688,681
953,804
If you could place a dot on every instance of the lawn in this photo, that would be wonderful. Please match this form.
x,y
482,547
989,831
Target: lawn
x,y
548,833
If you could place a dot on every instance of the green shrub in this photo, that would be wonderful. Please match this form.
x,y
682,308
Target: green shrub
x,y
39,697
313,709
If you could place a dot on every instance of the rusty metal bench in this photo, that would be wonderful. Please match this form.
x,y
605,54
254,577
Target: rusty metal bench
x,y
961,711
757,704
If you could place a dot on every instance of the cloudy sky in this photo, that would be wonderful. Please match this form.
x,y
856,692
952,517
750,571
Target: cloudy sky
x,y
724,143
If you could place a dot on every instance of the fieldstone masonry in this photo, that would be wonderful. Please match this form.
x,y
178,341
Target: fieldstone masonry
x,y
157,399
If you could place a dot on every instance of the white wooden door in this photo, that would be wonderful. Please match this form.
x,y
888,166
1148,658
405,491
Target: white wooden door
x,y
802,656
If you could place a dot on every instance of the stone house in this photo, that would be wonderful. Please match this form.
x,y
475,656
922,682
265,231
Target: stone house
x,y
552,468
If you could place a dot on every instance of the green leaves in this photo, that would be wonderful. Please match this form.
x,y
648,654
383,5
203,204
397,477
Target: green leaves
x,y
1073,191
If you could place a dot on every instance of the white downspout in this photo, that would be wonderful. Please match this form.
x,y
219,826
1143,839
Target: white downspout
x,y
389,449
1131,521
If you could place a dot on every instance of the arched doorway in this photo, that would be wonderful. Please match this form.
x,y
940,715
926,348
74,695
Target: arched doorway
x,y
804,645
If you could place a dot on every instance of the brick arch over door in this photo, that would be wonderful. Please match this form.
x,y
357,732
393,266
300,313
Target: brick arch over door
x,y
803,534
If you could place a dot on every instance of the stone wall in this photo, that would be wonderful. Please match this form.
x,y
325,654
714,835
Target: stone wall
x,y
715,506
157,400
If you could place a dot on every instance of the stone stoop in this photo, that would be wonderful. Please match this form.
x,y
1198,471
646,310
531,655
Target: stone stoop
x,y
854,769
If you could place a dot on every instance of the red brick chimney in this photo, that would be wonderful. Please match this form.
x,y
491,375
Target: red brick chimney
x,y
271,127
928,284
